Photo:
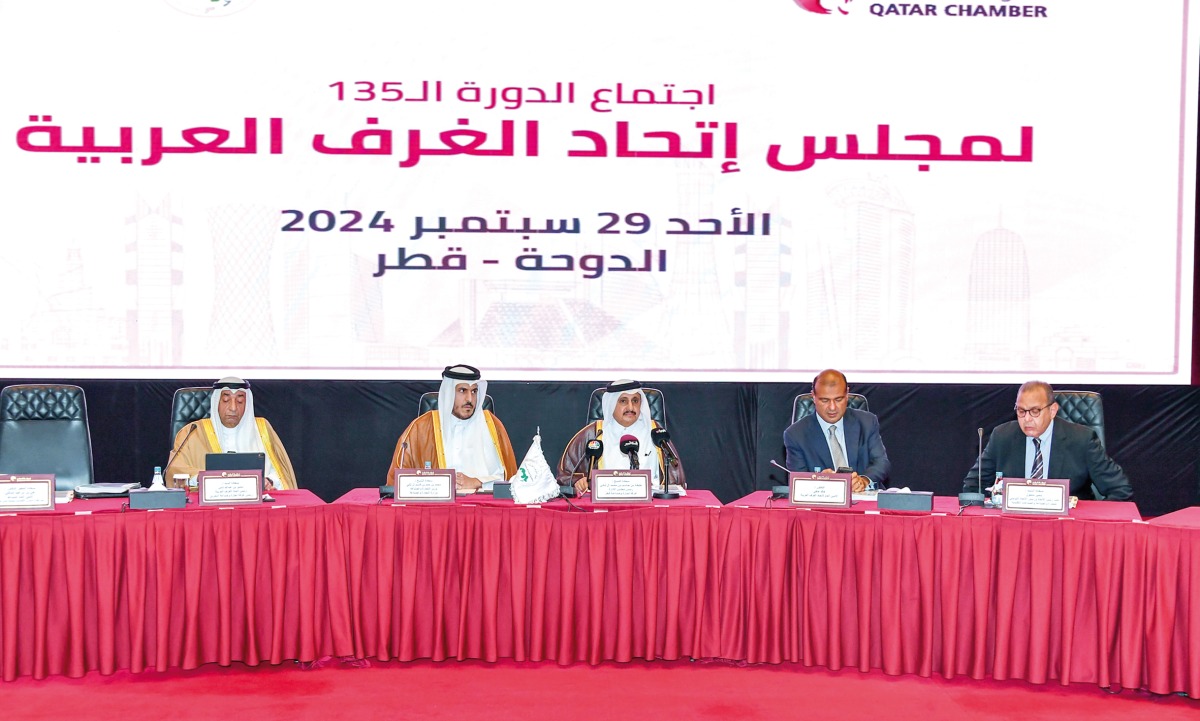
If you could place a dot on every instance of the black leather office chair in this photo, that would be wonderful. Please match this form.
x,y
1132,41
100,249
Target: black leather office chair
x,y
429,402
1083,407
189,404
658,405
803,405
44,429
1087,409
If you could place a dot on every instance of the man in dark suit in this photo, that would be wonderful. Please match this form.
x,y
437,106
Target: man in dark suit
x,y
1038,446
837,436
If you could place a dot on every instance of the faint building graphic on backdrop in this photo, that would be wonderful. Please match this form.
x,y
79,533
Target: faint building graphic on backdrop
x,y
998,301
242,237
154,277
861,273
763,273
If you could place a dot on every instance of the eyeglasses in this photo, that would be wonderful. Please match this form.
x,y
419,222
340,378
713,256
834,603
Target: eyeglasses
x,y
1031,412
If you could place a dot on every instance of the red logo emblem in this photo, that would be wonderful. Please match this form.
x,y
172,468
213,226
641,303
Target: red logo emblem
x,y
826,7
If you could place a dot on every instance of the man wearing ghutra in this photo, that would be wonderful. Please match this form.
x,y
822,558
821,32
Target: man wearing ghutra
x,y
468,439
626,412
232,427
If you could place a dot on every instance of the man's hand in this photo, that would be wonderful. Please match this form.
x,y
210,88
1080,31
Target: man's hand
x,y
463,482
581,485
858,483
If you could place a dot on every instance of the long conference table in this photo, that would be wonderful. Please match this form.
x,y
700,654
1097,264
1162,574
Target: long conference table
x,y
1100,597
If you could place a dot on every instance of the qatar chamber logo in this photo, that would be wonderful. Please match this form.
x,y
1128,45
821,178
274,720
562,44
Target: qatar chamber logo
x,y
826,7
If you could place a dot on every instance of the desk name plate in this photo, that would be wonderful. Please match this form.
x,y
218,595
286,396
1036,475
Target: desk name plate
x,y
27,492
819,490
620,486
424,485
225,488
1046,497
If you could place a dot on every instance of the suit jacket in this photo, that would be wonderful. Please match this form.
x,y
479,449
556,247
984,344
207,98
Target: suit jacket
x,y
1075,453
808,448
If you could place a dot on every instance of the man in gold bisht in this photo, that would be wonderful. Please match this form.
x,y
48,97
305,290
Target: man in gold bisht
x,y
232,427
468,439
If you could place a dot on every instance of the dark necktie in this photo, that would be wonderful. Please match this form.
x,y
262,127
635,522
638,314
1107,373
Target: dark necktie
x,y
1038,470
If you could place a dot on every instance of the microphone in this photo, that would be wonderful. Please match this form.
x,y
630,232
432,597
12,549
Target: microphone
x,y
630,447
661,437
593,451
783,490
388,490
186,436
975,499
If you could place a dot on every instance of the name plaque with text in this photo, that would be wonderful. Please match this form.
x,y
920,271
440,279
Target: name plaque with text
x,y
819,490
620,486
424,485
27,492
224,488
1050,496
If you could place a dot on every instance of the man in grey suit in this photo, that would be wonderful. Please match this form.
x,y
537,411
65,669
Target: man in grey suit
x,y
1036,445
838,436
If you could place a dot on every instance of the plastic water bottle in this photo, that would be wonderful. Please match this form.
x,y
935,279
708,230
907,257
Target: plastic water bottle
x,y
428,465
157,484
998,491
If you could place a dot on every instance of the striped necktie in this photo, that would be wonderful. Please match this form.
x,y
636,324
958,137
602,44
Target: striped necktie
x,y
1038,470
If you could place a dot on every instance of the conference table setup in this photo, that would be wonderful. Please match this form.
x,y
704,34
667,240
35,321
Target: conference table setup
x,y
292,347
1098,596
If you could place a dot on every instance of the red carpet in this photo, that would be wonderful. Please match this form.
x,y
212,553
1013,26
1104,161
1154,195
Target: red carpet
x,y
533,692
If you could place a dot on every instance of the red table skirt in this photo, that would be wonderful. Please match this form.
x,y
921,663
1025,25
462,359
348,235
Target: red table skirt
x,y
1116,604
983,596
140,590
475,582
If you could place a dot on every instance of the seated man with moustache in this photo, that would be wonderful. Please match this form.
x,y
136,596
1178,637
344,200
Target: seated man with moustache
x,y
1038,445
232,427
626,412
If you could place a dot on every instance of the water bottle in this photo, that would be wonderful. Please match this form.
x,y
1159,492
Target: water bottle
x,y
998,491
428,465
157,484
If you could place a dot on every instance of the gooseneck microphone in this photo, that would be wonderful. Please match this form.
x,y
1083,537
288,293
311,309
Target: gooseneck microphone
x,y
403,450
781,491
969,498
389,491
186,436
630,447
